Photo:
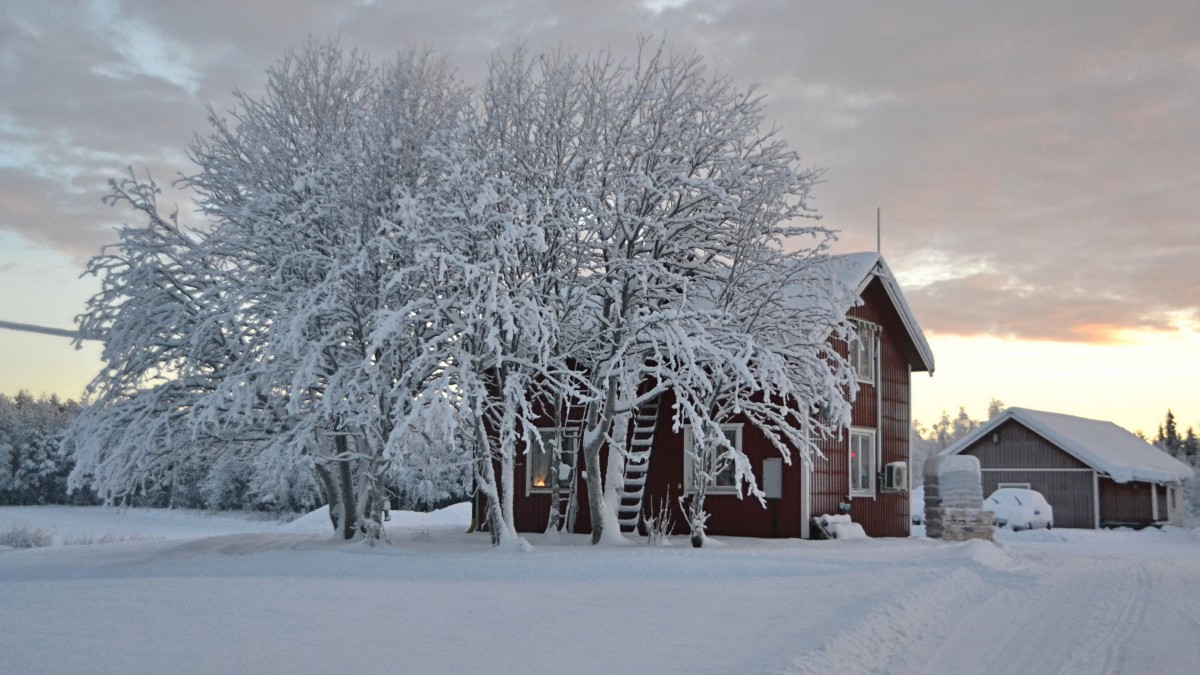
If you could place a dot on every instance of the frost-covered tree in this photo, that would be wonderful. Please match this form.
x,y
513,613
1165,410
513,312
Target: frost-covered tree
x,y
672,214
256,333
928,441
33,461
485,329
392,284
995,407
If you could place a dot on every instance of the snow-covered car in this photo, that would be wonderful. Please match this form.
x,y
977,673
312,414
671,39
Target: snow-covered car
x,y
917,505
1020,509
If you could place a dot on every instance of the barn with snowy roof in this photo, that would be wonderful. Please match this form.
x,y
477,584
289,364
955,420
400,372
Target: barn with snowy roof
x,y
864,473
1094,473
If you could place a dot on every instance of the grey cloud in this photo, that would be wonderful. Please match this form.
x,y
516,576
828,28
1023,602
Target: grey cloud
x,y
1054,140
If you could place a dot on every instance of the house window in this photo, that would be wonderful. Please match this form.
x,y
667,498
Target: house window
x,y
862,351
1013,485
862,462
723,472
540,471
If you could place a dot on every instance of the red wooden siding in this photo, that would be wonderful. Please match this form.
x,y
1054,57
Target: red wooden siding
x,y
729,515
884,514
1126,503
887,513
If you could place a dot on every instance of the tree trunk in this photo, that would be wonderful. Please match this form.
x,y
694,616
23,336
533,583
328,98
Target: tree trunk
x,y
331,493
346,476
502,530
599,422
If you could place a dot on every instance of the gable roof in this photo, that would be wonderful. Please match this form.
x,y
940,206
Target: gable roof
x,y
856,271
1104,446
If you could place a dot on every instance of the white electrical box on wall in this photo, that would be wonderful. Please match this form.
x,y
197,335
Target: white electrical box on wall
x,y
772,478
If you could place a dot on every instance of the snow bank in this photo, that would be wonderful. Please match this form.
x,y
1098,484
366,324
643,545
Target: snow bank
x,y
438,600
99,524
458,515
841,527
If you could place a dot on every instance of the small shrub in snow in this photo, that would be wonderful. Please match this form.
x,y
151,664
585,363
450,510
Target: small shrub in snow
x,y
26,537
659,524
87,539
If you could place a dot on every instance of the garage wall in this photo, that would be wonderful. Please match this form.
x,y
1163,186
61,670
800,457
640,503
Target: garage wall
x,y
1068,491
1126,503
1015,454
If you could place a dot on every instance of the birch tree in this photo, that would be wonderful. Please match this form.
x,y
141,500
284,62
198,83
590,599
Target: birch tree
x,y
385,269
260,327
675,211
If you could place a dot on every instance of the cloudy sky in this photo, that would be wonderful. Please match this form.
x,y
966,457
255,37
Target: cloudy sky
x,y
1037,164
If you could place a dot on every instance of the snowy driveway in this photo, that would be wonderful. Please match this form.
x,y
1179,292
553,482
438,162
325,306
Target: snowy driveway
x,y
437,600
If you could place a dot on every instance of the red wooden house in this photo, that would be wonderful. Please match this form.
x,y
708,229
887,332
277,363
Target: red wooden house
x,y
866,470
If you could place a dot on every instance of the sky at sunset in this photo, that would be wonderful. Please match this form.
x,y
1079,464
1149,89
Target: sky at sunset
x,y
1037,164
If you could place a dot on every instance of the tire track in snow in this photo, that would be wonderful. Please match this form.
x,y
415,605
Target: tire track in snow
x,y
1110,629
1062,618
896,632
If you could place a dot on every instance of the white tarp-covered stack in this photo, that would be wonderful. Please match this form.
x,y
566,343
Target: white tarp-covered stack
x,y
954,499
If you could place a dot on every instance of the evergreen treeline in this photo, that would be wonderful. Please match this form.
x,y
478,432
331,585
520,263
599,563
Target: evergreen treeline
x,y
1183,446
34,463
37,456
1186,448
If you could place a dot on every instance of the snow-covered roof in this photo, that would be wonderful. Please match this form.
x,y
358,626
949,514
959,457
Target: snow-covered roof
x,y
1101,445
856,270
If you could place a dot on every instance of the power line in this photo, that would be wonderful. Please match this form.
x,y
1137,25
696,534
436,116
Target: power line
x,y
44,330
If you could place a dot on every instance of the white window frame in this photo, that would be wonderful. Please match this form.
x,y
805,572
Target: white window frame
x,y
568,436
862,351
1027,486
689,484
870,455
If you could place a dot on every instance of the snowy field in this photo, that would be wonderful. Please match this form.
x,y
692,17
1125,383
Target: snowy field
x,y
185,592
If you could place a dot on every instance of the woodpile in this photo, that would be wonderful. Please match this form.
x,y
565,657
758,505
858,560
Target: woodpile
x,y
954,500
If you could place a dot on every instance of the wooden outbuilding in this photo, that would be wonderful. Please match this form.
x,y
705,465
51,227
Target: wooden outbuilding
x,y
1093,473
866,470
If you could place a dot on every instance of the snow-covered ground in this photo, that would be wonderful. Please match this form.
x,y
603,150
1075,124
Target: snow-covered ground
x,y
187,592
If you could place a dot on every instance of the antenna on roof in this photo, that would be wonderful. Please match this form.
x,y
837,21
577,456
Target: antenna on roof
x,y
878,231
